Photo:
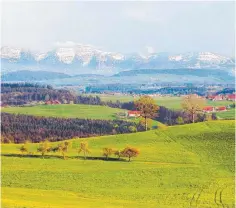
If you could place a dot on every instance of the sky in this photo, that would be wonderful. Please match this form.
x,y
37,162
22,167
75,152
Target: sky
x,y
118,26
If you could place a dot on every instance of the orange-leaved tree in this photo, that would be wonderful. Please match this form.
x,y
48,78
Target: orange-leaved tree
x,y
130,152
147,107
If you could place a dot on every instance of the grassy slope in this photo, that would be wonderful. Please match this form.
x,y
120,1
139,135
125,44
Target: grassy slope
x,y
174,103
67,111
73,111
182,166
104,112
229,114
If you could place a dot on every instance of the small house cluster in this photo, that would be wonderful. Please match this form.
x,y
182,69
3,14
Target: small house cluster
x,y
211,109
134,114
52,102
221,97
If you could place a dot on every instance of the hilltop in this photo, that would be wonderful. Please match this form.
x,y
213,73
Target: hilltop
x,y
182,166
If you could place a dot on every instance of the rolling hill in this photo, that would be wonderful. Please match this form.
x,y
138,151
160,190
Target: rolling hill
x,y
67,111
182,166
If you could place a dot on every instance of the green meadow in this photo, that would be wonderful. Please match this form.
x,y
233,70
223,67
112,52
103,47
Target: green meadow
x,y
105,112
229,114
181,166
173,103
67,111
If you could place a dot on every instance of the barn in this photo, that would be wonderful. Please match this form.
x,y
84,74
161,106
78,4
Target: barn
x,y
231,97
221,108
208,109
134,114
52,102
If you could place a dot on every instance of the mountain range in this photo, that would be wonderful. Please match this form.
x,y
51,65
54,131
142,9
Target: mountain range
x,y
86,59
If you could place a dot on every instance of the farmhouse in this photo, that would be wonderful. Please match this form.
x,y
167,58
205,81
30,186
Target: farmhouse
x,y
134,113
52,102
231,97
208,109
221,108
216,97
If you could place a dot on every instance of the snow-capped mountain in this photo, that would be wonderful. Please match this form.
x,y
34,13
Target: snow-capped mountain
x,y
86,59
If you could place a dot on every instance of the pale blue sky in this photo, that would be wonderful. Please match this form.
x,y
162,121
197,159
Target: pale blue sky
x,y
122,26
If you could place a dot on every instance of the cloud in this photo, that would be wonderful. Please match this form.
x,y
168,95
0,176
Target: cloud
x,y
142,14
150,49
65,44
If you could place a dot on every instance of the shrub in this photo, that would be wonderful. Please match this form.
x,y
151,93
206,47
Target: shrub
x,y
107,152
23,149
179,120
130,152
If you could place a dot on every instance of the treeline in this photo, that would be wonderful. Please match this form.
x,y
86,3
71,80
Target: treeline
x,y
176,117
96,100
24,93
173,91
138,89
21,128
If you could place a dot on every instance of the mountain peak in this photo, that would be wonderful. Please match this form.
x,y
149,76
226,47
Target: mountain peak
x,y
84,57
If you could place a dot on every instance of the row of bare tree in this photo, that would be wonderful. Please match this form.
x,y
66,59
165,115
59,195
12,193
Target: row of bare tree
x,y
63,148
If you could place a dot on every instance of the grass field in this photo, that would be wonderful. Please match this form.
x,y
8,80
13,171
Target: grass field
x,y
173,103
181,166
73,111
67,111
229,114
104,112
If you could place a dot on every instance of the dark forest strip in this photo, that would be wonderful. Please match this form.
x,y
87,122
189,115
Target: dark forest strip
x,y
21,128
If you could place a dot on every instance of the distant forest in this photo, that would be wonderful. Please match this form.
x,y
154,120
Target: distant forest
x,y
21,128
24,93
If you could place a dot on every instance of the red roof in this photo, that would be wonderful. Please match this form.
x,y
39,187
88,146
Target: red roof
x,y
50,102
232,97
218,97
56,102
221,108
134,112
211,97
208,108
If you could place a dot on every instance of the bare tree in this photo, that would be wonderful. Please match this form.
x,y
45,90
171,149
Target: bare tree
x,y
44,147
84,148
193,104
107,152
147,107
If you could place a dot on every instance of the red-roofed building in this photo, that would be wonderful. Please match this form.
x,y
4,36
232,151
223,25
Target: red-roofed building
x,y
221,108
231,97
134,113
56,102
52,102
208,109
49,102
210,97
218,97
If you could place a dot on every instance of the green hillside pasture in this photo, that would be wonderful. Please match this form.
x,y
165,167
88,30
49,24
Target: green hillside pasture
x,y
229,114
181,166
67,111
172,102
74,111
